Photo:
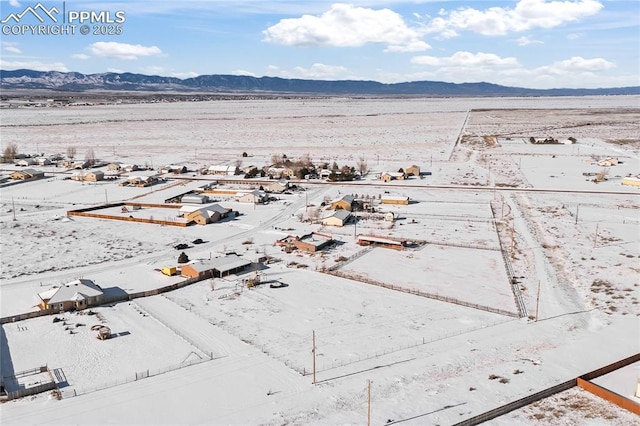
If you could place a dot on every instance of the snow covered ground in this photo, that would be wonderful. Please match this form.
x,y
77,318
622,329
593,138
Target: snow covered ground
x,y
217,353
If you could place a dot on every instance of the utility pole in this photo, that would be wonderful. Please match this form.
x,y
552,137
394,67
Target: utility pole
x,y
106,198
369,403
313,351
538,301
577,210
13,208
595,237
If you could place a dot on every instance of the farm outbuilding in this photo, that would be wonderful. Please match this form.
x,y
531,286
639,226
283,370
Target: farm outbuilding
x,y
631,181
339,218
374,240
395,200
77,294
312,242
215,268
195,199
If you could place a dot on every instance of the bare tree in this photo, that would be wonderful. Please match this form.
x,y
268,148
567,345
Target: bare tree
x,y
314,215
305,160
71,152
276,160
362,166
90,157
10,152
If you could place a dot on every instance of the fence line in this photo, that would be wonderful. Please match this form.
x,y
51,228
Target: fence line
x,y
545,393
66,393
423,294
515,287
338,364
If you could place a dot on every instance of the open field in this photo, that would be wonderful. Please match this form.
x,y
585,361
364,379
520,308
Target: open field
x,y
497,222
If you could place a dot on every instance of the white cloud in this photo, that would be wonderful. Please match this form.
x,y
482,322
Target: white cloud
x,y
80,56
577,64
345,25
526,15
243,72
14,3
112,49
575,36
183,75
524,41
33,65
321,71
465,59
116,70
12,49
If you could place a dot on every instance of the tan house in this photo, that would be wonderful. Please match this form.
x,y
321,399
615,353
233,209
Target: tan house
x,y
26,174
25,162
339,218
206,215
277,187
255,197
78,294
412,170
92,176
389,176
215,268
346,202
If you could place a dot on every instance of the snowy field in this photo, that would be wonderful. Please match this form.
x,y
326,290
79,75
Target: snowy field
x,y
216,352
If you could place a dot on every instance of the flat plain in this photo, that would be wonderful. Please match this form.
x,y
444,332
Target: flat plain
x,y
436,333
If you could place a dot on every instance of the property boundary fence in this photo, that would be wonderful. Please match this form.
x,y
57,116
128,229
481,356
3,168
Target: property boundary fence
x,y
69,393
515,287
500,411
424,294
398,348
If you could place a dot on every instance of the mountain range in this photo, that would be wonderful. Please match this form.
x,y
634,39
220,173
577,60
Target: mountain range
x,y
216,83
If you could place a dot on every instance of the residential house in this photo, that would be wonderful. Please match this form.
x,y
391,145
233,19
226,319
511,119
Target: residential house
x,y
26,174
140,181
174,169
217,267
346,202
78,294
277,187
389,176
255,197
412,170
42,161
205,215
339,218
116,166
92,176
221,169
25,162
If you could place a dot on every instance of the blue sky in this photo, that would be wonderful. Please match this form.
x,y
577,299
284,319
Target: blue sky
x,y
524,43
